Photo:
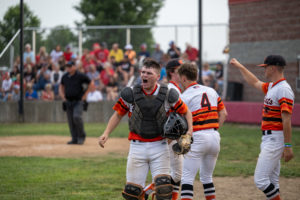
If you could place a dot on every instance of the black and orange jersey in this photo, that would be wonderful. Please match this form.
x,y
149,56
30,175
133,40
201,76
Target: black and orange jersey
x,y
279,97
123,107
204,103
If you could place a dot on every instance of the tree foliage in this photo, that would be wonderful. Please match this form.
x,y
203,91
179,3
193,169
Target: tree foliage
x,y
11,24
60,35
116,12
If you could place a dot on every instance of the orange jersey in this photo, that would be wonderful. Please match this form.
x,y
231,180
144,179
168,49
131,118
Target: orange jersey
x,y
204,103
123,107
279,97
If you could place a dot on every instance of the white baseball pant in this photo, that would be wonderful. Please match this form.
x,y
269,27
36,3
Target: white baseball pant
x,y
145,156
268,165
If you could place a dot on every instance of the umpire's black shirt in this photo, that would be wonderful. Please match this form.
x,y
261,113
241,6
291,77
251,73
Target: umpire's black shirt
x,y
74,85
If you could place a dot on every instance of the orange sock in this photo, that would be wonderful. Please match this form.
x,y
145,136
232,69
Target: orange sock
x,y
276,198
186,199
212,197
175,195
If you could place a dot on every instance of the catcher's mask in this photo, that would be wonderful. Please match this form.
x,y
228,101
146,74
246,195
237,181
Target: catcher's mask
x,y
175,126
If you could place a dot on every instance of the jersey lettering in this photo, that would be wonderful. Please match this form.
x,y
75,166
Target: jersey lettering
x,y
205,102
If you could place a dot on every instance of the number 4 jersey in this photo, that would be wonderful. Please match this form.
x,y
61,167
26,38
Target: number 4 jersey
x,y
279,97
204,103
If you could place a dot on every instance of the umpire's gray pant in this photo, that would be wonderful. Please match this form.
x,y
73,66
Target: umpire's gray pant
x,y
74,114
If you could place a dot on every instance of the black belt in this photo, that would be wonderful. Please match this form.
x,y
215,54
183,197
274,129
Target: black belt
x,y
267,132
136,141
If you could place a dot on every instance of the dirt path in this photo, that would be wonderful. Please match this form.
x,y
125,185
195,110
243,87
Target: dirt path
x,y
228,188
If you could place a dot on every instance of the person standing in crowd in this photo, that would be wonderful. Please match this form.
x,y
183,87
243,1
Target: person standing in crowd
x,y
94,95
219,78
209,114
192,53
148,149
68,53
42,55
47,93
72,92
7,86
130,53
276,122
174,51
116,52
157,54
28,53
56,54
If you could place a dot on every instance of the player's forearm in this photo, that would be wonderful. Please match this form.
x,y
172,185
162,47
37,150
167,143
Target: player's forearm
x,y
112,123
250,78
189,119
61,92
222,117
287,127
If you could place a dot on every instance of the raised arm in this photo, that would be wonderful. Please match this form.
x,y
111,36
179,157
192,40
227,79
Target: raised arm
x,y
250,78
112,124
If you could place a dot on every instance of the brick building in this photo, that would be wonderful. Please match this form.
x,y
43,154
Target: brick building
x,y
259,28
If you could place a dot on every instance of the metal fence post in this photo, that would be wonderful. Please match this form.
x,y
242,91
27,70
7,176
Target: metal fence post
x,y
80,42
34,41
11,57
128,36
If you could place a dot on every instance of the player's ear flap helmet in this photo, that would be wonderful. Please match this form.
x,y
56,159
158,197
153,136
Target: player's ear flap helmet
x,y
175,126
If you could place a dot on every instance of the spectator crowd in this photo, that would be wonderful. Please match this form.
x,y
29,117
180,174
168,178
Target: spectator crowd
x,y
111,70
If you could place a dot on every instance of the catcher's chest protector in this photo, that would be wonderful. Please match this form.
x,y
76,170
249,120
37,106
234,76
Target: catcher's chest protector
x,y
149,114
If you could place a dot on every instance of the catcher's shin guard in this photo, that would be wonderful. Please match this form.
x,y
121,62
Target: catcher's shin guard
x,y
133,192
163,187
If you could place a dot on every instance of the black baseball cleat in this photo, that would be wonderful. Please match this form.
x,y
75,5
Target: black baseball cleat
x,y
72,142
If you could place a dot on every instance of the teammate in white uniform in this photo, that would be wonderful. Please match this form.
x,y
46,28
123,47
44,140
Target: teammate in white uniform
x,y
276,123
146,153
175,159
209,114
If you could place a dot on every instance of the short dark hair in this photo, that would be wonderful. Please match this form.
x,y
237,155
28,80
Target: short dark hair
x,y
171,66
189,70
151,63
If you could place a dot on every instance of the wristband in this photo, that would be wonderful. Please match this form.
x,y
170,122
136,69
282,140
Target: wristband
x,y
287,145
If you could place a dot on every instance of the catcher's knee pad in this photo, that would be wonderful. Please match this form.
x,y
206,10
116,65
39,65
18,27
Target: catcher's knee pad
x,y
163,187
133,192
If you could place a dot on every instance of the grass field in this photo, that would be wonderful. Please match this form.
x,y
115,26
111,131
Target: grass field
x,y
91,178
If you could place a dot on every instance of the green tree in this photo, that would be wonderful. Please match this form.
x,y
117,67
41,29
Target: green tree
x,y
60,35
116,12
11,24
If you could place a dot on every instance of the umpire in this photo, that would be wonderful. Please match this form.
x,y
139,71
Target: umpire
x,y
73,93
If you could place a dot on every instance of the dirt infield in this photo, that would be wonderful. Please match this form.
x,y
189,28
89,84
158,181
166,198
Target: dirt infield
x,y
228,188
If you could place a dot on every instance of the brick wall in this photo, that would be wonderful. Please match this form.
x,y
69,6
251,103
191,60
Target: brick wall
x,y
260,28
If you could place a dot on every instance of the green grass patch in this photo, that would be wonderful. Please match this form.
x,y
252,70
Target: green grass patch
x,y
92,129
104,177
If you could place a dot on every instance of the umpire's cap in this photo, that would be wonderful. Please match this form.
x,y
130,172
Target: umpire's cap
x,y
70,64
172,64
276,60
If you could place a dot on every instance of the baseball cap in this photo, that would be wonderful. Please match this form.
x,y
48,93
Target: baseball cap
x,y
173,63
171,43
96,45
128,46
276,60
70,64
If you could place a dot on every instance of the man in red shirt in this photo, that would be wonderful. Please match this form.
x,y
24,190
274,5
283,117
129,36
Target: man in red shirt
x,y
191,52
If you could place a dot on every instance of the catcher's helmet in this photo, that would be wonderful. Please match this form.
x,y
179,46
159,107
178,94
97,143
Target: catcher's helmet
x,y
175,126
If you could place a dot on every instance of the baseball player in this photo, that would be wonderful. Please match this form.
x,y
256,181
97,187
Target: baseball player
x,y
175,159
209,114
276,123
147,106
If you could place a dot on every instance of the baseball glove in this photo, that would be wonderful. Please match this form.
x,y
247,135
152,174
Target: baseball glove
x,y
184,144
